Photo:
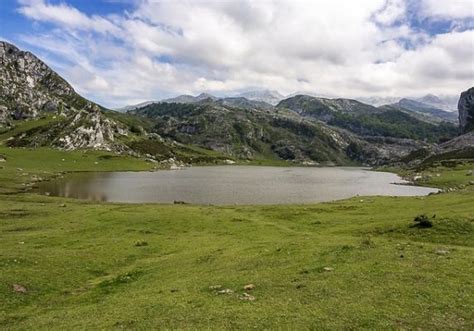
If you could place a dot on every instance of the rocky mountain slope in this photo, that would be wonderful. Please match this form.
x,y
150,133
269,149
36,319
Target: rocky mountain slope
x,y
29,87
446,103
426,109
366,120
190,99
253,133
30,90
466,110
268,96
460,147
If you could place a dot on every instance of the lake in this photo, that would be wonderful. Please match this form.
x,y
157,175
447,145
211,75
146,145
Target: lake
x,y
222,185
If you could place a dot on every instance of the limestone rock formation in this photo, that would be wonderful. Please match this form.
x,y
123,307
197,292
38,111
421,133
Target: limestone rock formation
x,y
466,110
29,89
28,86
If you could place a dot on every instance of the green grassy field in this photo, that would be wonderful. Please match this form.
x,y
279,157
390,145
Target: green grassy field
x,y
351,264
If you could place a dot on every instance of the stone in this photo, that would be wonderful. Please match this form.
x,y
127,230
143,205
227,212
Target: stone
x,y
19,288
247,297
441,251
249,287
225,291
328,269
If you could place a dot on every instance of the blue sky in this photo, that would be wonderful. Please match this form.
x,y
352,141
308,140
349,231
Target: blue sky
x,y
119,52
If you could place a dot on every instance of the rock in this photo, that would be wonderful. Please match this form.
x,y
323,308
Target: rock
x,y
19,288
63,205
328,269
215,287
441,251
466,110
229,162
225,291
249,287
469,173
471,182
3,158
32,87
247,297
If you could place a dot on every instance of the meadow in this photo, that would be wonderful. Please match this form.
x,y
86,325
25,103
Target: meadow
x,y
356,263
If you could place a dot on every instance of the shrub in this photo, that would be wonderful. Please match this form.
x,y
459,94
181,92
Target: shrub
x,y
423,221
141,243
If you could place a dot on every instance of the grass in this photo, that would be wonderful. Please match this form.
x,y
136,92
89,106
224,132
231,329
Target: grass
x,y
24,164
352,264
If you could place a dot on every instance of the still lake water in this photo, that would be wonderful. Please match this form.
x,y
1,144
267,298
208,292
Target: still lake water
x,y
223,185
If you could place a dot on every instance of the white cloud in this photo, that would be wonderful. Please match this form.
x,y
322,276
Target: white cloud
x,y
335,47
448,8
65,16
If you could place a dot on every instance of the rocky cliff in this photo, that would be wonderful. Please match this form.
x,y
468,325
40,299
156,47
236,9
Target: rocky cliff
x,y
29,89
28,86
466,110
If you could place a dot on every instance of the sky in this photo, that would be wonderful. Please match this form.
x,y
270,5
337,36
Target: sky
x,y
119,52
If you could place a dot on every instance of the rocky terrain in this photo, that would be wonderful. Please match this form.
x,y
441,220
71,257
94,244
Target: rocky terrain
x,y
466,110
366,120
432,112
30,90
460,147
29,87
245,131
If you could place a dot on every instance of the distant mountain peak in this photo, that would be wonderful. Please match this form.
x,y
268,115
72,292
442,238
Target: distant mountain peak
x,y
272,97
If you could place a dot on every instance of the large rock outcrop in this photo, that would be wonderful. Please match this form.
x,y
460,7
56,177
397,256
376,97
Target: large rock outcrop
x,y
29,89
466,110
28,86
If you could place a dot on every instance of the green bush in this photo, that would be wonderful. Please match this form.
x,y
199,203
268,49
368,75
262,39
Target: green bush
x,y
423,221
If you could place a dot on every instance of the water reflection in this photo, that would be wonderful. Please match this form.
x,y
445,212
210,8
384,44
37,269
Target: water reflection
x,y
231,185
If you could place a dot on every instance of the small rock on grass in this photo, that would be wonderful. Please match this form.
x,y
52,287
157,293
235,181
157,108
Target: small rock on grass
x,y
247,297
215,287
249,287
441,251
328,269
225,291
19,288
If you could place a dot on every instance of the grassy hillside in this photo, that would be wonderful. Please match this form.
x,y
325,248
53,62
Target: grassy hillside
x,y
246,133
395,123
357,263
367,120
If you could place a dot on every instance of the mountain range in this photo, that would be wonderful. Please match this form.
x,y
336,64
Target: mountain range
x,y
439,109
39,108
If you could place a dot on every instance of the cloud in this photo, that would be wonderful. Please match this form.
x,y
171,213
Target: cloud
x,y
450,9
333,47
65,16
